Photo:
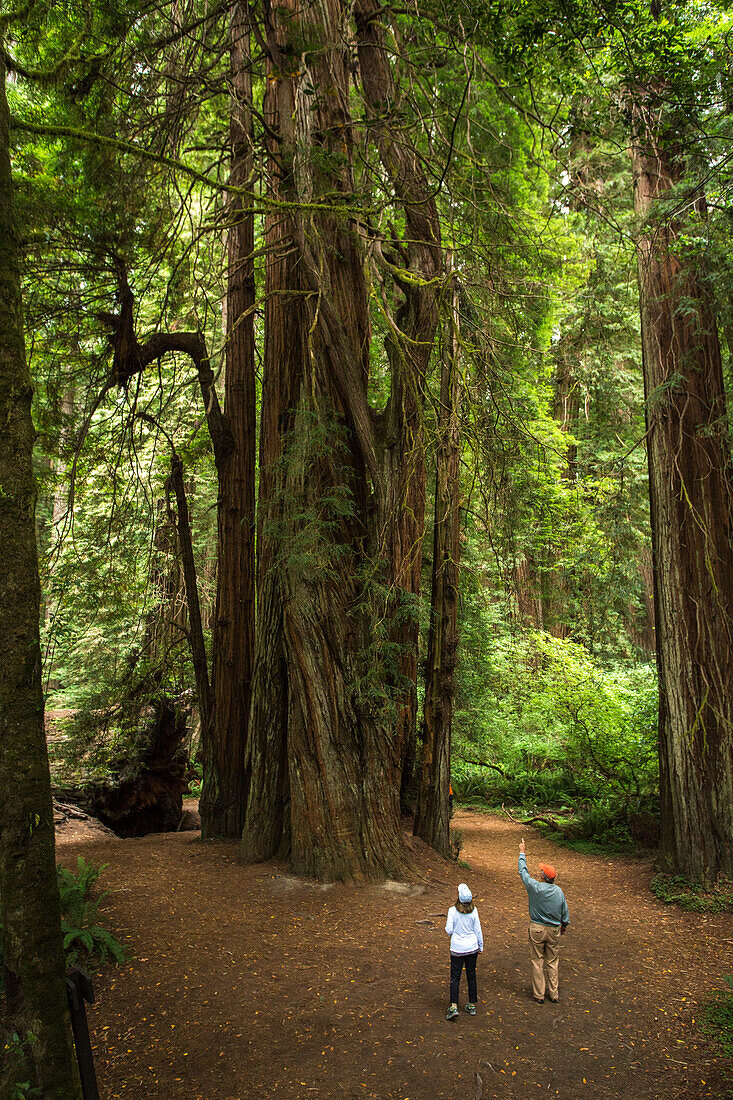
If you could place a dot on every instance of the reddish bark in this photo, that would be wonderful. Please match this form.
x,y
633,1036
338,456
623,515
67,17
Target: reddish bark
x,y
312,708
403,455
691,515
224,792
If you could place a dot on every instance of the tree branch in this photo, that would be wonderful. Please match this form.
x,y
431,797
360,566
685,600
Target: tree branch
x,y
483,764
131,358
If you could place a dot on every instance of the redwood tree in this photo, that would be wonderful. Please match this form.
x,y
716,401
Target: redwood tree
x,y
432,821
691,506
417,267
341,489
224,789
34,969
340,818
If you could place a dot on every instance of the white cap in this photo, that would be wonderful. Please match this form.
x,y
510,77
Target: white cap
x,y
464,894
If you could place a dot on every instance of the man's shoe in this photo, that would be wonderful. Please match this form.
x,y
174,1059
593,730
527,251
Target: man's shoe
x,y
553,1000
452,1013
471,1009
539,1000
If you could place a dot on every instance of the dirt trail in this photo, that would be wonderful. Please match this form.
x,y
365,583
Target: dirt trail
x,y
246,982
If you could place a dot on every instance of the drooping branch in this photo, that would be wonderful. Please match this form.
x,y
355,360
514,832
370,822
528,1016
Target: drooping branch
x,y
482,764
131,358
260,203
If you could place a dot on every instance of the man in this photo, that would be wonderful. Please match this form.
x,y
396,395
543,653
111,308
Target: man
x,y
548,920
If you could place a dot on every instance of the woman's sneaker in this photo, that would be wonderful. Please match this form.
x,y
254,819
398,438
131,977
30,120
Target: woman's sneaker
x,y
452,1013
471,1009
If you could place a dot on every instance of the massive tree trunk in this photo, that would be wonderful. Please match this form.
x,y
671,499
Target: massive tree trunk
x,y
339,817
35,985
418,271
267,821
432,822
691,514
224,792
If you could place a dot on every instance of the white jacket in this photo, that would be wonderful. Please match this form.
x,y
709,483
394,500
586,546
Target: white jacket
x,y
465,932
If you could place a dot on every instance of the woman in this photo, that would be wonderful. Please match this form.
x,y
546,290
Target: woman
x,y
466,941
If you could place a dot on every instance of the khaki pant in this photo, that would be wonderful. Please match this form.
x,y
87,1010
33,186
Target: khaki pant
x,y
544,954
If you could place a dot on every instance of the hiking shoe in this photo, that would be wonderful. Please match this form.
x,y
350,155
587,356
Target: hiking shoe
x,y
452,1013
470,1009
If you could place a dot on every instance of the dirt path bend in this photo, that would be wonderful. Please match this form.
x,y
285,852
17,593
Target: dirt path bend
x,y
246,982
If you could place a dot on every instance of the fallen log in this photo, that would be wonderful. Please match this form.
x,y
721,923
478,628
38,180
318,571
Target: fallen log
x,y
65,810
145,795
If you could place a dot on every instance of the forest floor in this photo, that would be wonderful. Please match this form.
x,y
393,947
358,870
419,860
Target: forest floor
x,y
244,981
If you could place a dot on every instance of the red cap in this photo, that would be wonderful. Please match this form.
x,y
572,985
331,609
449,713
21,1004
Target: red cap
x,y
548,870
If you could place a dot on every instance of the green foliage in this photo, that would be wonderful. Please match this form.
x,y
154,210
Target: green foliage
x,y
196,781
563,731
79,915
16,1068
718,1017
546,704
110,733
694,896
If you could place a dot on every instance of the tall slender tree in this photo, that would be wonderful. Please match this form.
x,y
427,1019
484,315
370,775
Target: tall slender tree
x,y
223,800
34,970
432,821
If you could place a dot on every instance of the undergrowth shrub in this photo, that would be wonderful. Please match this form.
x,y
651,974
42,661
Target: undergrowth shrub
x,y
16,1068
84,939
693,896
561,730
717,1020
79,916
195,783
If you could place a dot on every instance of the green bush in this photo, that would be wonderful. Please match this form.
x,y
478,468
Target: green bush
x,y
718,1017
564,732
693,896
79,915
16,1069
196,781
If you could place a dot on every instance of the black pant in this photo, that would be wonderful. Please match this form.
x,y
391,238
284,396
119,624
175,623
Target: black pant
x,y
456,969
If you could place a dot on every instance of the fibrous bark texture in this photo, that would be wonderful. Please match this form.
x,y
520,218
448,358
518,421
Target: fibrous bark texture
x,y
223,798
691,513
325,752
35,990
402,518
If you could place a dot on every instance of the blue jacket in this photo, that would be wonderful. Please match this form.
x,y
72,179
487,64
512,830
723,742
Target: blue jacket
x,y
547,903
